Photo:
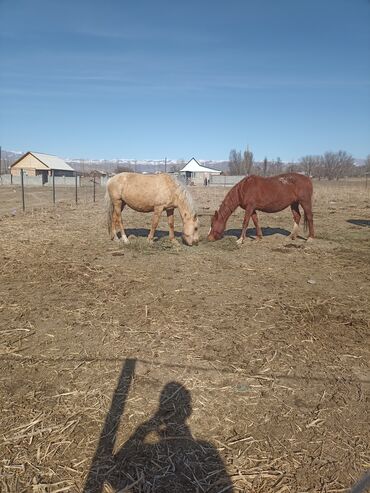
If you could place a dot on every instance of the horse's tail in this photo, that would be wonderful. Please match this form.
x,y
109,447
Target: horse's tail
x,y
109,210
310,193
305,222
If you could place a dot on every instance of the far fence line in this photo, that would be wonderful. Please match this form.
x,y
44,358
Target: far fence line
x,y
25,181
89,187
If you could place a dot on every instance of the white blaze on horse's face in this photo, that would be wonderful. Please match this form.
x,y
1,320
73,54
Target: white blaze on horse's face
x,y
191,231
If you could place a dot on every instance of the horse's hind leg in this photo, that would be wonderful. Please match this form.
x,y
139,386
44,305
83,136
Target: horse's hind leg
x,y
257,225
118,228
171,223
297,217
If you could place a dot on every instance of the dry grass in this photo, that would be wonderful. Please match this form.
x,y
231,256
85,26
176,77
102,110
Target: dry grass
x,y
249,366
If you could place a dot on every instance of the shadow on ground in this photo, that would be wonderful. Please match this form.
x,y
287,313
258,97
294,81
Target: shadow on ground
x,y
143,232
359,222
162,454
252,232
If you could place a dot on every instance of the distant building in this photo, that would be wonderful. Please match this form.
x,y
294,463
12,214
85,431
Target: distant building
x,y
196,173
97,173
36,163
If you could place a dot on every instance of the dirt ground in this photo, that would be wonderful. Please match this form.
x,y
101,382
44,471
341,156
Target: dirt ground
x,y
167,368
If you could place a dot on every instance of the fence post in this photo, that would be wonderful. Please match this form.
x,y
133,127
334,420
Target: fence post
x,y
76,180
22,184
94,185
53,176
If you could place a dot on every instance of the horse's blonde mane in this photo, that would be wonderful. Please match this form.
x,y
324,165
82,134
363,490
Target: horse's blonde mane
x,y
185,195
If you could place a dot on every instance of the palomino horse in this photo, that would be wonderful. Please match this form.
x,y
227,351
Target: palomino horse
x,y
255,193
150,193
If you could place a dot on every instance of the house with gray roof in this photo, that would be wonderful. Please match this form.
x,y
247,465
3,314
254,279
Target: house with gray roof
x,y
37,163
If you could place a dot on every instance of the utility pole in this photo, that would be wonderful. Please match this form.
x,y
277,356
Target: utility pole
x,y
165,165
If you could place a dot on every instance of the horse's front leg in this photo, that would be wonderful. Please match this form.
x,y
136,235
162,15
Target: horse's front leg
x,y
247,216
171,223
155,220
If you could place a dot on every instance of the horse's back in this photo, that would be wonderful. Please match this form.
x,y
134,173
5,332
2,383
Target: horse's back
x,y
286,181
142,192
274,193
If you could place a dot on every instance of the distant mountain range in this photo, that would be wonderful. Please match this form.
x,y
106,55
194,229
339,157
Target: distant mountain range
x,y
139,165
113,165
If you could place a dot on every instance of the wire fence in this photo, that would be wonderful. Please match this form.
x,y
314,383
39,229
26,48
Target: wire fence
x,y
25,193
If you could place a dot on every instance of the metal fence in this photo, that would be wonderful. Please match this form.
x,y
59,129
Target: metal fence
x,y
28,192
224,180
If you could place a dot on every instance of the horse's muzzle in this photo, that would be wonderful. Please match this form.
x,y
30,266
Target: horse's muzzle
x,y
186,242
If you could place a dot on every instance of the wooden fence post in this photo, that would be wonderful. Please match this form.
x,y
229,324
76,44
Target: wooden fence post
x,y
53,176
76,180
22,185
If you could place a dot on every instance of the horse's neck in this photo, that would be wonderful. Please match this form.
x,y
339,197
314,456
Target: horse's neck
x,y
229,205
183,207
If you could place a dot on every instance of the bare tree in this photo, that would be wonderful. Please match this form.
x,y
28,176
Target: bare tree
x,y
235,162
290,168
120,168
265,166
367,164
247,161
337,164
311,164
240,165
276,167
174,168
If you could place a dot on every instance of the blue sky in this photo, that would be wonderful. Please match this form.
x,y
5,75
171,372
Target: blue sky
x,y
154,78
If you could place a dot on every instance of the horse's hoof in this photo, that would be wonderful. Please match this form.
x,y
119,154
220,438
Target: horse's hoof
x,y
123,240
310,239
175,242
150,241
240,241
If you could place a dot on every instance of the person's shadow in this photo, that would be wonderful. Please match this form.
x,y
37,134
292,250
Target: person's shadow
x,y
163,456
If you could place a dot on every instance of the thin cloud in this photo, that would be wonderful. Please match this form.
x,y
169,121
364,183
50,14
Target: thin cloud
x,y
143,33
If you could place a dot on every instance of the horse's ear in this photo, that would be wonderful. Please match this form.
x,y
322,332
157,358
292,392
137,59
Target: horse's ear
x,y
195,216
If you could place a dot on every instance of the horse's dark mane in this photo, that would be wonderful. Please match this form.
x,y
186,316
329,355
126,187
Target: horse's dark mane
x,y
230,202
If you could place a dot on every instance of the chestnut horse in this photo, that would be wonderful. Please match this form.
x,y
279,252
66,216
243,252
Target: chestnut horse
x,y
273,194
150,193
